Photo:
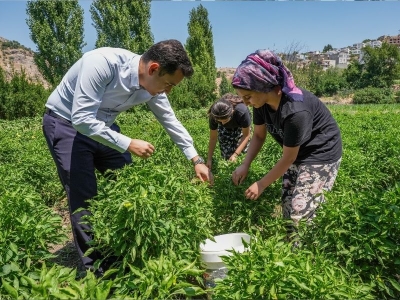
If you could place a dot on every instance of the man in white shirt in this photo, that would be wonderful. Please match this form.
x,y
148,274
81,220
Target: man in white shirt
x,y
79,121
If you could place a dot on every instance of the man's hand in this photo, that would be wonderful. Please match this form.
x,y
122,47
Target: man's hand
x,y
239,174
141,148
204,173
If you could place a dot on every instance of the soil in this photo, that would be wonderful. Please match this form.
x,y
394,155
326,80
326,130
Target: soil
x,y
335,100
66,254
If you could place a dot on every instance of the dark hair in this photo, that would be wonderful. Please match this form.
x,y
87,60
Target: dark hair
x,y
171,55
224,107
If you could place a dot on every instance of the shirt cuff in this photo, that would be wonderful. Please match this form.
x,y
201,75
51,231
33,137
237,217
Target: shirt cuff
x,y
123,142
190,152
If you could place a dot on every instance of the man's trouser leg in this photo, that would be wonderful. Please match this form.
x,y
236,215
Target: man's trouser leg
x,y
76,157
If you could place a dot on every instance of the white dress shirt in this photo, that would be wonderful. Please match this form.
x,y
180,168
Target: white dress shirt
x,y
102,84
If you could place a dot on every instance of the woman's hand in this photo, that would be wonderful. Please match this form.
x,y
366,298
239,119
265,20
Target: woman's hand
x,y
240,174
254,191
233,157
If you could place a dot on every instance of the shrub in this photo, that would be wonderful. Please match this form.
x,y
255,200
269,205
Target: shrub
x,y
330,82
149,212
372,95
20,97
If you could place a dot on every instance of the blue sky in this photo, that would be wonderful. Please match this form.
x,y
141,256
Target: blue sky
x,y
241,27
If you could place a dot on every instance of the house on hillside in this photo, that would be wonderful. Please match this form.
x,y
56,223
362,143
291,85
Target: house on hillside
x,y
359,45
328,63
341,59
375,44
393,40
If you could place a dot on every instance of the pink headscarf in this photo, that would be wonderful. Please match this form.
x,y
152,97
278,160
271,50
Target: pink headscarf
x,y
262,71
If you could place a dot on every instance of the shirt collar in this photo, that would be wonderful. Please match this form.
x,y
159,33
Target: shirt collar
x,y
134,65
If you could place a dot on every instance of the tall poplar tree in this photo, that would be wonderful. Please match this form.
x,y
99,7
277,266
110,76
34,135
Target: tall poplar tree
x,y
57,30
200,48
123,24
225,86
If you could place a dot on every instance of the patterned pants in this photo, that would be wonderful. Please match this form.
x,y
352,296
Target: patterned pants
x,y
303,189
228,139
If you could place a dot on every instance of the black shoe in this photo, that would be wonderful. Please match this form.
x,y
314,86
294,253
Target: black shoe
x,y
99,273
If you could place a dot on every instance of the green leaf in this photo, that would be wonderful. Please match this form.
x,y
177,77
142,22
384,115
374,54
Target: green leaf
x,y
279,263
394,283
272,292
14,248
193,291
138,239
342,295
103,290
12,291
109,272
299,284
250,289
7,269
28,263
88,252
72,294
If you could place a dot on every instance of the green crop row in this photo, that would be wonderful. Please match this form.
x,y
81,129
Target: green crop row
x,y
153,215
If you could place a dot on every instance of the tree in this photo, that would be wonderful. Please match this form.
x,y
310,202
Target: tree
x,y
200,48
327,48
379,67
123,24
225,86
57,30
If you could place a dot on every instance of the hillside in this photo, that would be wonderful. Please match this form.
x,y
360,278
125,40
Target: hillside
x,y
14,57
228,73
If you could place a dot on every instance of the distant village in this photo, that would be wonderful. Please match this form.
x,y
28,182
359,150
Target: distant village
x,y
341,57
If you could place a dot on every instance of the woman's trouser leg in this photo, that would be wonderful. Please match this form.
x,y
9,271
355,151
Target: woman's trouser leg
x,y
303,189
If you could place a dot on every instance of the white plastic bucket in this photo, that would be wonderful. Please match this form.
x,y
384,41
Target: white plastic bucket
x,y
211,251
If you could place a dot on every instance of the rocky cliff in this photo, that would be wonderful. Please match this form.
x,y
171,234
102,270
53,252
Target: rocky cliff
x,y
14,57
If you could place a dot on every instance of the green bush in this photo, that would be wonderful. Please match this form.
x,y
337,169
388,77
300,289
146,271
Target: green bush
x,y
306,77
20,97
272,270
330,82
372,95
150,211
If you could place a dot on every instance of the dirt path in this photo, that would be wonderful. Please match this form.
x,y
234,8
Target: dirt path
x,y
66,254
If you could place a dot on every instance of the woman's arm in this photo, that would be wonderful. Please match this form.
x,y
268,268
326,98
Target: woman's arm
x,y
260,133
211,147
257,141
242,143
288,157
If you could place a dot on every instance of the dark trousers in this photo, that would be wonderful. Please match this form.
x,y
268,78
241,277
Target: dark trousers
x,y
77,157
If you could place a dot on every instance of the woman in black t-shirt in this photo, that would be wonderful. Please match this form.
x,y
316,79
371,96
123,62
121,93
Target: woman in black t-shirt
x,y
300,123
229,122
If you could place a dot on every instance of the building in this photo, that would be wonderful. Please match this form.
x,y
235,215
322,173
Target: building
x,y
393,40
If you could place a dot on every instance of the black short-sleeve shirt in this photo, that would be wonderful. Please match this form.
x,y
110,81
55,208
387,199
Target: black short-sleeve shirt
x,y
241,119
308,124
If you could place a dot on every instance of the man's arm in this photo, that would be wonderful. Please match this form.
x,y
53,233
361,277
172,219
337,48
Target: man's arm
x,y
164,113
